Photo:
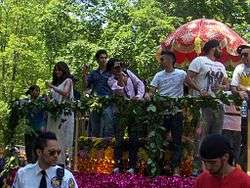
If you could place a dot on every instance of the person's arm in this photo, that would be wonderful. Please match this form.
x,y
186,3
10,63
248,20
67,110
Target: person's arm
x,y
225,86
153,87
85,70
240,92
65,92
152,91
189,81
139,84
236,87
113,84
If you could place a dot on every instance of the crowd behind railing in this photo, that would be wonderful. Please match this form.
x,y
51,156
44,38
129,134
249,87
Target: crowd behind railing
x,y
205,77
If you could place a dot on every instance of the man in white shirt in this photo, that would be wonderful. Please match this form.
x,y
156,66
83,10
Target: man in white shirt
x,y
240,84
241,76
206,76
45,173
170,82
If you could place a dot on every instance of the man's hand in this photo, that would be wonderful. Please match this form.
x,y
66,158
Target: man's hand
x,y
203,93
136,98
48,84
243,94
147,96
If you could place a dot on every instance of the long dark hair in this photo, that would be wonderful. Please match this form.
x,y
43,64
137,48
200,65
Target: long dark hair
x,y
62,66
110,64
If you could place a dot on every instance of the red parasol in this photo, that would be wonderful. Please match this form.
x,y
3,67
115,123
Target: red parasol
x,y
188,40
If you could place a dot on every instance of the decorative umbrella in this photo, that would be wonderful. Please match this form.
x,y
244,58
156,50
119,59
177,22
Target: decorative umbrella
x,y
188,40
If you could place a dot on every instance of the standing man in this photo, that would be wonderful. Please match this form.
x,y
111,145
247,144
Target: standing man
x,y
240,85
217,155
126,83
45,173
241,76
206,76
170,82
101,123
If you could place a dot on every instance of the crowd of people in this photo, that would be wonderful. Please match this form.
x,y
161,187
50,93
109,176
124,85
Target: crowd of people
x,y
205,76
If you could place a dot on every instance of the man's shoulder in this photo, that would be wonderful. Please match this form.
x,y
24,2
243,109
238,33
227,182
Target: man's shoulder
x,y
95,71
239,67
160,73
241,175
26,168
180,71
200,59
68,173
203,175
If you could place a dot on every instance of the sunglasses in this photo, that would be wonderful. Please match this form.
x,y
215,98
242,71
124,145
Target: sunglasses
x,y
103,57
245,54
53,152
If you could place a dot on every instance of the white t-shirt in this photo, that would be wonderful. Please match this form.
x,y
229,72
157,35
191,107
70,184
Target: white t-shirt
x,y
169,83
30,176
241,76
210,74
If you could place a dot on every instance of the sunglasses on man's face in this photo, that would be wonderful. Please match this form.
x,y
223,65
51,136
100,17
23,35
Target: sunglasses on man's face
x,y
244,54
54,152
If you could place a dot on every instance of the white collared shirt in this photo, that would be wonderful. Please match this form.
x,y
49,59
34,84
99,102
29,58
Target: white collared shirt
x,y
30,177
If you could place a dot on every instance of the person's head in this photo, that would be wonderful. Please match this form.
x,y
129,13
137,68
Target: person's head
x,y
60,73
244,52
47,149
216,153
33,91
167,59
101,57
114,66
212,48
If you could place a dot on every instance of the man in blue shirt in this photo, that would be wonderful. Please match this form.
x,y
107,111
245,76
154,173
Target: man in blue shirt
x,y
101,123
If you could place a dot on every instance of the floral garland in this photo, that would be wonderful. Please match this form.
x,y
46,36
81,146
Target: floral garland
x,y
149,113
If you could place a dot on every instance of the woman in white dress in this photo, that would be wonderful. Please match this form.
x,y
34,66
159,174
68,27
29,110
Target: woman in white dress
x,y
62,90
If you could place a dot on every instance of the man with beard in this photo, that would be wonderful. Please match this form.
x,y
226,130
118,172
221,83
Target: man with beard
x,y
217,155
206,76
45,173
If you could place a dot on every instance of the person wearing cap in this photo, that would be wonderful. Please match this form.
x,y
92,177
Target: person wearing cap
x,y
217,156
125,83
206,76
241,75
170,82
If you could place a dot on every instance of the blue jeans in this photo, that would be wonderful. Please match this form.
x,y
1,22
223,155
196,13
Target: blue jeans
x,y
174,124
102,123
